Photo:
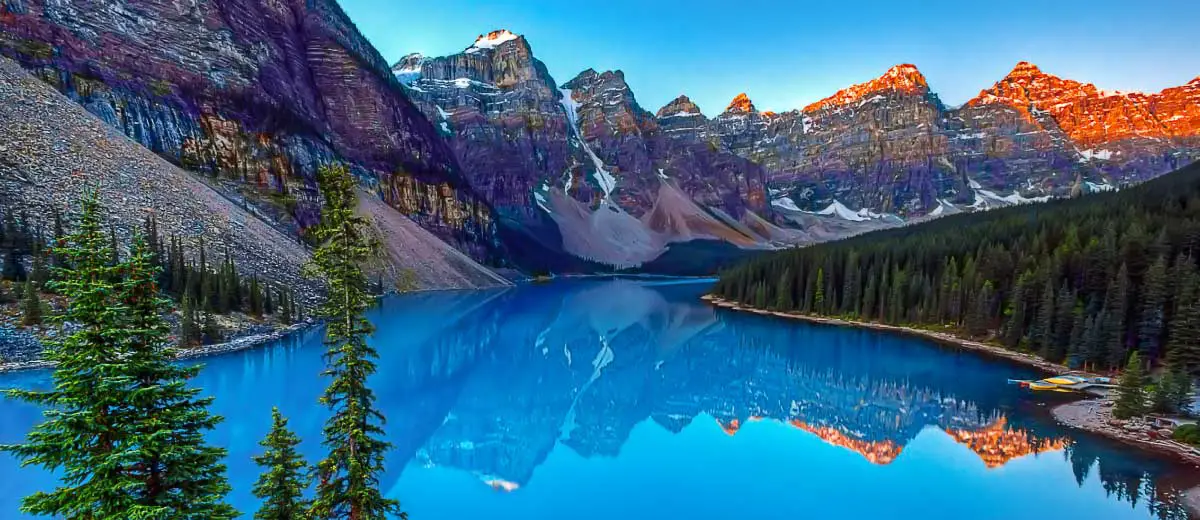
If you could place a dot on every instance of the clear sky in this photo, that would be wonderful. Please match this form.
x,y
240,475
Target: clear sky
x,y
785,54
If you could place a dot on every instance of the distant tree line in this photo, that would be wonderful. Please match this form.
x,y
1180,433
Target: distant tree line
x,y
1086,282
204,289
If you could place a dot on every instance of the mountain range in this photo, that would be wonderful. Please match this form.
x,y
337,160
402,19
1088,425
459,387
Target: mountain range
x,y
619,183
489,153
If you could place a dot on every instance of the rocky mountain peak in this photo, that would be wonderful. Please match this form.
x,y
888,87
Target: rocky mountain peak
x,y
680,106
408,69
1025,69
741,104
903,79
492,40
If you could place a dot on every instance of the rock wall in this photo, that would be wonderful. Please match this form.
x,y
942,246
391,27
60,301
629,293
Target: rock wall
x,y
252,91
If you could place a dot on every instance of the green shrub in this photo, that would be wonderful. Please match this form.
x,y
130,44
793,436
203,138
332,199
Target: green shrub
x,y
1187,434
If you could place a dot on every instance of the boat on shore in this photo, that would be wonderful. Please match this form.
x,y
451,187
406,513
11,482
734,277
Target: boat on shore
x,y
1069,383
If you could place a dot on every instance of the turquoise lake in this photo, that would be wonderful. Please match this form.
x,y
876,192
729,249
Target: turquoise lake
x,y
603,399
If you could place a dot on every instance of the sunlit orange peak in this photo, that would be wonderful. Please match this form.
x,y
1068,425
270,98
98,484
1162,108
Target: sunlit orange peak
x,y
1024,68
731,428
876,452
741,103
996,444
904,78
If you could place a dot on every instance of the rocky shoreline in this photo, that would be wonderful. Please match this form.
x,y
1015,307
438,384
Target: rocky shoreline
x,y
242,343
1095,416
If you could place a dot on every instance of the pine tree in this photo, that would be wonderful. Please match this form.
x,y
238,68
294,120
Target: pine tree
x,y
348,478
1042,335
1131,394
179,475
1180,383
210,330
1077,347
285,307
282,484
31,308
1117,304
1153,298
81,438
783,300
256,301
1064,319
1183,340
1014,330
819,298
980,315
188,333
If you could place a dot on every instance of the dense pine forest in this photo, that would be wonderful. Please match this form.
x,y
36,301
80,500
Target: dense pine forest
x,y
1087,281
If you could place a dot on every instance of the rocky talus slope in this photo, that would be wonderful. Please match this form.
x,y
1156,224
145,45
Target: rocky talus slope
x,y
252,91
52,152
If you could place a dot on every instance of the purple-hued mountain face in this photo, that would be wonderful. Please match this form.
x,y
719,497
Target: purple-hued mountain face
x,y
582,165
255,92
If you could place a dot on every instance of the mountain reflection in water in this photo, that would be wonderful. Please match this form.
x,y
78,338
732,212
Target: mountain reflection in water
x,y
588,399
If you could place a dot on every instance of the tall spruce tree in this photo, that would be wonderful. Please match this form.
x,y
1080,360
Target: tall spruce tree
x,y
83,437
179,475
31,308
348,477
285,477
1153,297
1117,304
1131,393
189,332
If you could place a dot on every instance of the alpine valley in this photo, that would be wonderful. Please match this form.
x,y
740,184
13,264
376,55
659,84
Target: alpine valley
x,y
485,151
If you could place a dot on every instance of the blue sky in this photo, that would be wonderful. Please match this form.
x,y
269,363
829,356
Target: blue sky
x,y
785,55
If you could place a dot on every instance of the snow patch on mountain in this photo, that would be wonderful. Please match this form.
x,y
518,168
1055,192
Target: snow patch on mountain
x,y
841,211
785,203
491,41
1102,155
607,182
1096,188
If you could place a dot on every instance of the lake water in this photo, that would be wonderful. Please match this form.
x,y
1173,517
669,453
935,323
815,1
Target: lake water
x,y
631,399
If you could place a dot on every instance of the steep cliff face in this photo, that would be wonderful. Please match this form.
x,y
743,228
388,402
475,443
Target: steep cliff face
x,y
877,145
254,92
